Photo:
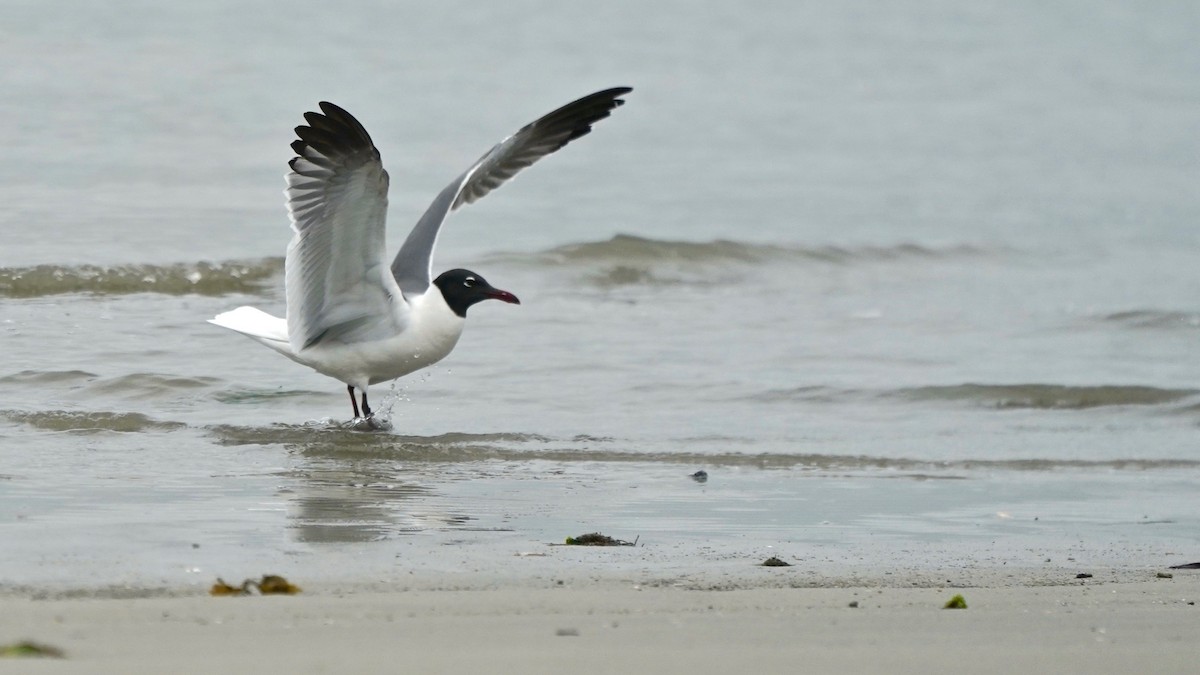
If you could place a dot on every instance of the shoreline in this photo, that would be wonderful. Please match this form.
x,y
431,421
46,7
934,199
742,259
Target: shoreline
x,y
600,567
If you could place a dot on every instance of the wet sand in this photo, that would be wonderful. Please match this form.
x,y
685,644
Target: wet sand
x,y
1118,621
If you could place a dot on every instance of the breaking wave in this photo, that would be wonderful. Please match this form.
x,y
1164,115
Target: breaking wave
x,y
203,278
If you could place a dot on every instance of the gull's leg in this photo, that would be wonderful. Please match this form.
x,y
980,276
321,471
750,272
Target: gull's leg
x,y
366,408
353,402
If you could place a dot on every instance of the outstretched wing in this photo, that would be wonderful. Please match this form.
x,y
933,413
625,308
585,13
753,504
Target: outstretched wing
x,y
338,284
412,265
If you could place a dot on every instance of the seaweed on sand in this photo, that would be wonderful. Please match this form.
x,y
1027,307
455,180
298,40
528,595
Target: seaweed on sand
x,y
271,584
597,539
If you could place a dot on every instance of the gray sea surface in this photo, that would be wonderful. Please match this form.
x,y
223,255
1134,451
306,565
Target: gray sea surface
x,y
914,283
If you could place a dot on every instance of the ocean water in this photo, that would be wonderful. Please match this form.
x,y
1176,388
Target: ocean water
x,y
914,277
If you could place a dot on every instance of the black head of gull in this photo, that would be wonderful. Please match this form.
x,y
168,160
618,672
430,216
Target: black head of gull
x,y
463,288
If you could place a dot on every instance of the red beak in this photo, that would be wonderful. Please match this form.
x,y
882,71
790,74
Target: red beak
x,y
505,296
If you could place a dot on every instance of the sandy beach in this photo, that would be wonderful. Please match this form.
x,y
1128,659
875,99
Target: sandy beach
x,y
1114,622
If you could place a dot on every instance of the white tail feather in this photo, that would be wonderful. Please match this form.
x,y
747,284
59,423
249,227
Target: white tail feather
x,y
257,324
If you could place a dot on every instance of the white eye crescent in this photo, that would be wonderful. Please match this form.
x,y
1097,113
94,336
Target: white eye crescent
x,y
469,282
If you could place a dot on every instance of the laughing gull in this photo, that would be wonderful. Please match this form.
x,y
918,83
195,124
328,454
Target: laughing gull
x,y
349,315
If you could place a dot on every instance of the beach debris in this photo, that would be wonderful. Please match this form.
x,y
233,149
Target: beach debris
x,y
775,562
597,539
853,604
1186,566
1083,575
700,476
270,584
222,588
567,632
273,584
29,649
1165,575
957,602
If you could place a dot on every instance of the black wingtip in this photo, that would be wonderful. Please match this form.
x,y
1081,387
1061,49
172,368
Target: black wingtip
x,y
331,108
612,93
333,132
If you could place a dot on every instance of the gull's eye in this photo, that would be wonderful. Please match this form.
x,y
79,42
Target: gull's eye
x,y
469,282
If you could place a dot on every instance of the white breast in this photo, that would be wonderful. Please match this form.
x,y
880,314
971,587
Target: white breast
x,y
431,332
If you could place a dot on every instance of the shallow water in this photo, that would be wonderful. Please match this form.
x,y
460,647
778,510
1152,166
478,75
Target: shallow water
x,y
900,279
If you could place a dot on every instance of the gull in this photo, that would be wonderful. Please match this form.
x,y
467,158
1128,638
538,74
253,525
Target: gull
x,y
351,315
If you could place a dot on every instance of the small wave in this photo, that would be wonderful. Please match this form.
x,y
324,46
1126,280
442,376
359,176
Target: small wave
x,y
1154,319
806,394
349,441
335,441
255,396
150,385
27,377
201,278
627,259
1047,396
135,385
629,248
349,437
90,422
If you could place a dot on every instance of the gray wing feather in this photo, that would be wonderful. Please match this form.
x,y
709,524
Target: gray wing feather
x,y
338,285
412,266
